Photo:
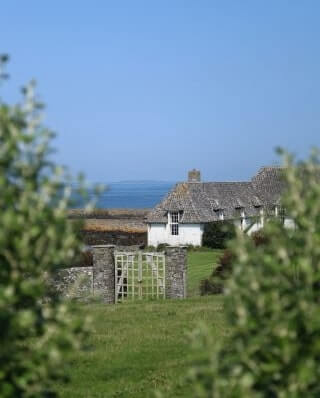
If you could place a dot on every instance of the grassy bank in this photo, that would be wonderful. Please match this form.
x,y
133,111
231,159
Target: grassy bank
x,y
136,348
200,266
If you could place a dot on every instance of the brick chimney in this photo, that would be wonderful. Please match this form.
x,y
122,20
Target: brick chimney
x,y
194,176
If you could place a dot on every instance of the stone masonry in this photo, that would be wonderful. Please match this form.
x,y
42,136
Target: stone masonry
x,y
99,280
75,282
103,272
176,272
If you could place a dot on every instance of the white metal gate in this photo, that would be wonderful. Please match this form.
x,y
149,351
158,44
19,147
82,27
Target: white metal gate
x,y
139,275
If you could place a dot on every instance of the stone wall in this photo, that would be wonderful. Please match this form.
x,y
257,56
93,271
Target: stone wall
x,y
75,282
99,280
103,272
83,282
117,214
176,272
121,238
124,227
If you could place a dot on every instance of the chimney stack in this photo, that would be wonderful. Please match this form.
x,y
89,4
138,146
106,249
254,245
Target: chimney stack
x,y
194,176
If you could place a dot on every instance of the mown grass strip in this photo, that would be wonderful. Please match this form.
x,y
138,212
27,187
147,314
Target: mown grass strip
x,y
137,348
200,266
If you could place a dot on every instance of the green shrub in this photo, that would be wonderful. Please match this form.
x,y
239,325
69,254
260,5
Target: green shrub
x,y
260,238
221,273
215,283
83,259
150,249
161,247
35,239
272,305
217,234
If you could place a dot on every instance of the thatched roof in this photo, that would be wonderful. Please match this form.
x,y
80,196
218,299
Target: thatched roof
x,y
98,225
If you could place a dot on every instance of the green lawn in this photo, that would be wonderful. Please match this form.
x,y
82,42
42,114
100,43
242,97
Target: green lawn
x,y
135,348
200,266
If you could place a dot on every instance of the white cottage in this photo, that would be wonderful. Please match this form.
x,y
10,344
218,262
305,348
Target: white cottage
x,y
180,217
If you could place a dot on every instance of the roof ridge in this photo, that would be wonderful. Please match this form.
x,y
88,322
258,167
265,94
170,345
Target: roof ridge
x,y
273,166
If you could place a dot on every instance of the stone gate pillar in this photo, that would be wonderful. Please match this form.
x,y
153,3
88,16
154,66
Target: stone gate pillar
x,y
104,272
176,271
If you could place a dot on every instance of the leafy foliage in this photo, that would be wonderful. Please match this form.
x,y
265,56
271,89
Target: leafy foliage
x,y
84,259
221,273
272,306
35,239
217,234
216,281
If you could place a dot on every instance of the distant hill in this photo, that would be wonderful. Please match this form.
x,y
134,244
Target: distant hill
x,y
141,182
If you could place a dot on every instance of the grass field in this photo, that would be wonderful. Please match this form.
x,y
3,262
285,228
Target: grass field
x,y
137,348
200,266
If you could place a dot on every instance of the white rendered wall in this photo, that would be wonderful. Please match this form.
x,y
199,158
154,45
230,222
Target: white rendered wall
x,y
254,227
156,234
246,222
189,234
288,223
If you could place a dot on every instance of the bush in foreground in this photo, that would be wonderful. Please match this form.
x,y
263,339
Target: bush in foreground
x,y
272,305
35,239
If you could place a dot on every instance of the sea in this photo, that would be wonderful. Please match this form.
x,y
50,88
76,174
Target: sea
x,y
128,194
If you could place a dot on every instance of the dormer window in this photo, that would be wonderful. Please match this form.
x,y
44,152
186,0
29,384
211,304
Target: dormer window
x,y
174,222
282,214
219,214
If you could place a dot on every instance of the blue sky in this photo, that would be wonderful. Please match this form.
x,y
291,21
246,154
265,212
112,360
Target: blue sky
x,y
149,89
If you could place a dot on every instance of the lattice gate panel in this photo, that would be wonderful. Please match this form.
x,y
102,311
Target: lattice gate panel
x,y
139,275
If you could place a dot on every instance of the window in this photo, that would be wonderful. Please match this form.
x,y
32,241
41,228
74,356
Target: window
x,y
219,213
282,214
174,223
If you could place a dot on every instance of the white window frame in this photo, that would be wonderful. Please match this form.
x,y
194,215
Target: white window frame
x,y
174,223
282,214
262,217
258,217
242,219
